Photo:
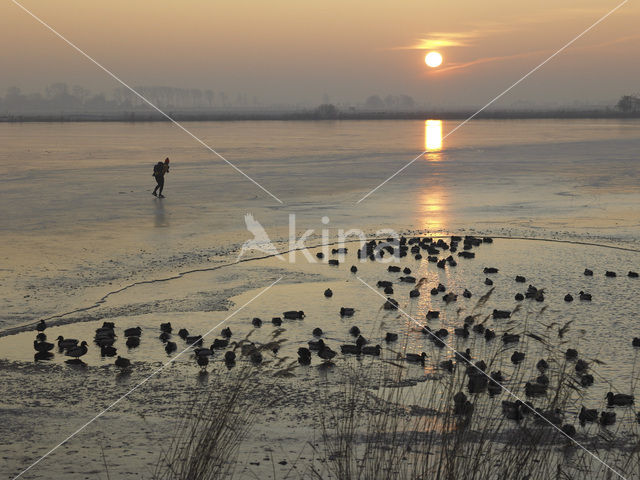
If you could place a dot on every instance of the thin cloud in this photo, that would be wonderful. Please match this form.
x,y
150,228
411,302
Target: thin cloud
x,y
500,58
450,39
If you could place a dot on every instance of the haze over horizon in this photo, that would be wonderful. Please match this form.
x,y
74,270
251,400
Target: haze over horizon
x,y
285,52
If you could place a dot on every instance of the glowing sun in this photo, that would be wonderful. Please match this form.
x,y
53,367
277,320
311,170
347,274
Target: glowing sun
x,y
433,59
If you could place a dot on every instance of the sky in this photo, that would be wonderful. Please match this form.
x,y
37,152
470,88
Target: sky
x,y
293,52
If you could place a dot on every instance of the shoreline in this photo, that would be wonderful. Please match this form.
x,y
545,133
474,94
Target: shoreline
x,y
311,115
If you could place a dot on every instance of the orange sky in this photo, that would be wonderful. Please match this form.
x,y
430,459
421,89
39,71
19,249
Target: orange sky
x,y
291,51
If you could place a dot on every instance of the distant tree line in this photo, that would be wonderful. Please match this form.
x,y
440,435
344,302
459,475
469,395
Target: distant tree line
x,y
61,98
629,104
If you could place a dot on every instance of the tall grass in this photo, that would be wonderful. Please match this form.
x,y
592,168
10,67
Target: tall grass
x,y
209,433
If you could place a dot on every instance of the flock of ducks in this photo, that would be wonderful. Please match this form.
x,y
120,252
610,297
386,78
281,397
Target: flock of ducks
x,y
478,379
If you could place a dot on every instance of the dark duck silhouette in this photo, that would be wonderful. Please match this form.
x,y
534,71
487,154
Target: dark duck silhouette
x,y
41,326
122,363
370,350
166,327
587,415
226,332
183,333
65,343
133,342
42,347
416,357
607,418
326,353
391,337
108,351
170,347
350,349
620,399
133,332
203,361
517,357
77,351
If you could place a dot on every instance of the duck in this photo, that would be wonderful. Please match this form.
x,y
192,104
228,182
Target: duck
x,y
434,291
133,332
488,282
447,365
542,365
183,333
122,363
326,353
354,331
462,332
534,389
489,334
164,336
588,273
388,290
133,342
203,351
619,399
166,327
229,357
635,342
607,418
294,315
276,321
632,274
519,297
226,332
170,347
350,349
585,296
442,288
361,341
587,415
77,351
41,337
479,328
450,297
542,379
586,380
353,269
512,410
375,351
581,366
65,343
203,361
391,337
416,357
108,351
571,354
256,322
520,279
433,314
219,343
466,293
317,332
501,314
42,347
517,357
346,311
466,355
610,274
328,293
316,344
414,293
194,340
510,338
568,297
41,326
256,358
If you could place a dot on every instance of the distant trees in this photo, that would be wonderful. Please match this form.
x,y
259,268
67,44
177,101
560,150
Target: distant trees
x,y
327,111
391,102
629,104
62,98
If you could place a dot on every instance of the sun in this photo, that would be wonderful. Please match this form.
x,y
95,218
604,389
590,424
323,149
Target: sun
x,y
433,59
